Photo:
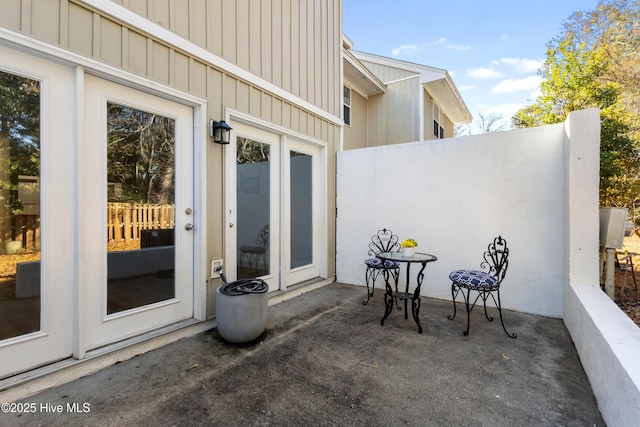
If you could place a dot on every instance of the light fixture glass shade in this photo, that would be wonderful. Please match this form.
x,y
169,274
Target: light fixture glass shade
x,y
221,132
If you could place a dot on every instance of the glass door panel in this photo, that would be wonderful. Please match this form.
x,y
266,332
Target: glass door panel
x,y
253,208
303,211
301,191
140,208
20,296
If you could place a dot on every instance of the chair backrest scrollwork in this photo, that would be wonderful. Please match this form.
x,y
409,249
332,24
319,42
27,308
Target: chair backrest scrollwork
x,y
263,237
496,258
383,241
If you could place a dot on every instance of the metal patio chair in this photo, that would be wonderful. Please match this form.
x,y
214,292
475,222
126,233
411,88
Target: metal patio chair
x,y
485,283
257,253
383,241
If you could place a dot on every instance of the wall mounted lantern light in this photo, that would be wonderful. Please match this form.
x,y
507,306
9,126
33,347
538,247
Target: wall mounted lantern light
x,y
220,131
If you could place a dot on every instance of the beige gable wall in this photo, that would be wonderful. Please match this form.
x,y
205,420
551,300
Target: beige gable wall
x,y
445,122
290,43
355,135
448,128
428,116
393,115
297,48
386,73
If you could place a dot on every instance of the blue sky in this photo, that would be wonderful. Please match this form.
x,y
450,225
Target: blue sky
x,y
491,48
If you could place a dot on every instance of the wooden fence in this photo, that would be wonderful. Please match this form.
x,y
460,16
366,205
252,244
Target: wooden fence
x,y
22,228
126,220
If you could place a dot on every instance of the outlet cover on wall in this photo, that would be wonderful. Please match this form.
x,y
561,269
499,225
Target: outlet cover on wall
x,y
214,266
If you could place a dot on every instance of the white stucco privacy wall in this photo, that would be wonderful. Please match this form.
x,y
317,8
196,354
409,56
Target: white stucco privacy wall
x,y
536,187
607,341
454,196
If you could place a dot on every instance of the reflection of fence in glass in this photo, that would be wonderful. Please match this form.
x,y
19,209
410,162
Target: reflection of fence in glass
x,y
23,230
125,221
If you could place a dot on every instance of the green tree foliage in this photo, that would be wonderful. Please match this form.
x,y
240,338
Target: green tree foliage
x,y
594,64
140,153
19,136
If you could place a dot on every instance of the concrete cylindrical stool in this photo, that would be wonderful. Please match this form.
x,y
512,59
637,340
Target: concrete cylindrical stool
x,y
241,310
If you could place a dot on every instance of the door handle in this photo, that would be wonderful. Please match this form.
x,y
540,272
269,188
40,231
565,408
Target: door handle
x,y
188,226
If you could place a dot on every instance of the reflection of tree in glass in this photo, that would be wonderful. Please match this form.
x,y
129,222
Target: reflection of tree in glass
x,y
250,151
19,136
140,151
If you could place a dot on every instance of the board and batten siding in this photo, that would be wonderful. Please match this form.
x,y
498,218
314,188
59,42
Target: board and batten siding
x,y
392,117
386,73
306,64
292,44
355,134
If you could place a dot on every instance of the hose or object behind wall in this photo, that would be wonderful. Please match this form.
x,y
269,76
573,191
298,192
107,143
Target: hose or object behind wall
x,y
244,286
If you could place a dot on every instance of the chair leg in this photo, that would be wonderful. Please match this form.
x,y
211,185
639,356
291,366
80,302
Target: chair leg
x,y
484,300
466,303
514,335
369,275
454,293
455,290
633,274
388,297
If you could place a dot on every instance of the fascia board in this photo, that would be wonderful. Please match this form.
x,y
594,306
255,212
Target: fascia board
x,y
372,85
423,70
444,92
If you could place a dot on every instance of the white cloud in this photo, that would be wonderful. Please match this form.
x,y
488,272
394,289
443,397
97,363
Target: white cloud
x,y
535,94
439,41
458,47
523,65
464,88
504,36
405,49
483,73
516,85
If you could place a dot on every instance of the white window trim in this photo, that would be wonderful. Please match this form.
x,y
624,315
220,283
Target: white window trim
x,y
345,105
437,118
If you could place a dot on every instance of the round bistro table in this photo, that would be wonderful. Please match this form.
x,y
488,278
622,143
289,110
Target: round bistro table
x,y
392,294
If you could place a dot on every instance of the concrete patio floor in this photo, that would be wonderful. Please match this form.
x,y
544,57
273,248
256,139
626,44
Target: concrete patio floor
x,y
326,360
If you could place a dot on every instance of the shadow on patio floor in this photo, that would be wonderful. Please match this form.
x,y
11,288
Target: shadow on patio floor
x,y
325,360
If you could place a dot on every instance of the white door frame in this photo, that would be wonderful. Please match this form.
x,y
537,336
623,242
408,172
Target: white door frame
x,y
288,139
99,327
310,271
274,141
57,182
62,121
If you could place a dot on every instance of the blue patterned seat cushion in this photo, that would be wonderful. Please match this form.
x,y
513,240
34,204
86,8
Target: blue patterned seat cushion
x,y
377,263
474,279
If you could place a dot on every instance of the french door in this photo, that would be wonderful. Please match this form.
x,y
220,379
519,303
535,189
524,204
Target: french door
x,y
36,212
274,210
97,216
136,213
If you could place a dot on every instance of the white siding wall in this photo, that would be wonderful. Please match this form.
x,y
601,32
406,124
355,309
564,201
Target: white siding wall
x,y
454,196
536,187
